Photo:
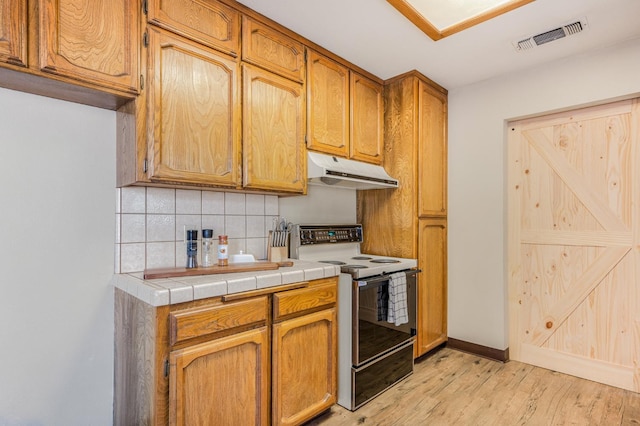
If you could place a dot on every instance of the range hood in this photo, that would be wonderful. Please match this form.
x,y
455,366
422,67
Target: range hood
x,y
342,173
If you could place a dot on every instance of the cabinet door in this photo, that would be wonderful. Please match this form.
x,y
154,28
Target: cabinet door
x,y
193,113
272,50
432,284
91,41
367,110
209,23
273,132
432,149
13,32
304,367
222,382
328,105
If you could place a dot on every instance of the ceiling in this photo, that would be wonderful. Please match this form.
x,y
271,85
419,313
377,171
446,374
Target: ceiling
x,y
373,35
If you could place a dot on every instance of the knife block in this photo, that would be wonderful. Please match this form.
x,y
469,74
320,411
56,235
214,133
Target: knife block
x,y
277,254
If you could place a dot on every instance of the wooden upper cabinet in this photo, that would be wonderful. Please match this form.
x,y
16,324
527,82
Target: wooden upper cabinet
x,y
13,32
210,23
432,148
91,41
273,132
367,116
327,105
193,112
272,50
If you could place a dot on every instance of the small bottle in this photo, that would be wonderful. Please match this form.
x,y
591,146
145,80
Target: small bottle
x,y
192,248
207,247
223,250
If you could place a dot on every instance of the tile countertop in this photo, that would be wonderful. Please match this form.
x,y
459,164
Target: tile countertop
x,y
168,291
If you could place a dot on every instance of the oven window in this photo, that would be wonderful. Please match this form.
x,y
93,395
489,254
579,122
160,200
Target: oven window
x,y
375,335
375,338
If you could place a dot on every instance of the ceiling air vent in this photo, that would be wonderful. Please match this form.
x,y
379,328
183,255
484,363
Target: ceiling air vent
x,y
567,30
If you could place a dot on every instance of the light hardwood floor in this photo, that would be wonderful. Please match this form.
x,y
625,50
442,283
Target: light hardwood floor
x,y
450,387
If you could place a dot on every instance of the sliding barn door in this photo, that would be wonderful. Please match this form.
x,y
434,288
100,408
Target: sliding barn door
x,y
574,242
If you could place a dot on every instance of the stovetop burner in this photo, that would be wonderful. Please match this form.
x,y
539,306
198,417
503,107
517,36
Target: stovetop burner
x,y
385,261
333,262
355,266
361,258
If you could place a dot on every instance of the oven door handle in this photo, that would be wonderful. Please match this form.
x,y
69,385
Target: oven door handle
x,y
377,280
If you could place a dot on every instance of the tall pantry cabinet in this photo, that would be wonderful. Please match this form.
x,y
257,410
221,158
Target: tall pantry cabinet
x,y
411,221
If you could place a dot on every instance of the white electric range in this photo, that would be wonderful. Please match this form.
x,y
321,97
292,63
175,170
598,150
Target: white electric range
x,y
374,352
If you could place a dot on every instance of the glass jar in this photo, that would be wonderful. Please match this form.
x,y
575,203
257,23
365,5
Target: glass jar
x,y
207,247
223,250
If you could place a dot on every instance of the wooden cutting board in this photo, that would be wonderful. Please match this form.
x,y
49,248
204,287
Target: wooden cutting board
x,y
150,274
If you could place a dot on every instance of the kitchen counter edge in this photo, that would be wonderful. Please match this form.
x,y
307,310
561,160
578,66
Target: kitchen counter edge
x,y
170,291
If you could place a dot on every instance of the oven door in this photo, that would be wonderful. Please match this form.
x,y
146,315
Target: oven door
x,y
373,335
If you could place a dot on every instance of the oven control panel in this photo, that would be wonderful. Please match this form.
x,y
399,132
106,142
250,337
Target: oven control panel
x,y
327,234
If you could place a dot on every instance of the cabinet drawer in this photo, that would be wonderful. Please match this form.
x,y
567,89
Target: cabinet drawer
x,y
294,301
197,322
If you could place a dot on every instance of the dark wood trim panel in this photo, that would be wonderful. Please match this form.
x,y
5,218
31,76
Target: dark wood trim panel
x,y
483,351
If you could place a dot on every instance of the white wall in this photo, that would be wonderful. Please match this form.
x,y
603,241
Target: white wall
x,y
477,173
321,205
57,216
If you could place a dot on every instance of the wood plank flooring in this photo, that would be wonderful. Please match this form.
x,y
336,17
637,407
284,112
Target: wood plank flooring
x,y
450,387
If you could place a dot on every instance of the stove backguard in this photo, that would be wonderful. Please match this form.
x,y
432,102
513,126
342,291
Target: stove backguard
x,y
313,235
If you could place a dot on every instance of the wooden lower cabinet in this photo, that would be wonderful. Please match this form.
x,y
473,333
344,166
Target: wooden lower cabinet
x,y
222,382
304,367
432,288
265,357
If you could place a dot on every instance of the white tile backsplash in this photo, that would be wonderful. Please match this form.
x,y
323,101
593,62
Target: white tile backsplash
x,y
234,203
255,226
161,200
213,202
132,228
255,204
161,227
133,200
187,221
132,257
150,225
236,226
161,255
257,247
215,222
237,245
188,202
271,205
